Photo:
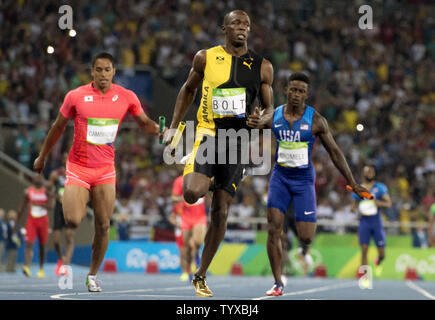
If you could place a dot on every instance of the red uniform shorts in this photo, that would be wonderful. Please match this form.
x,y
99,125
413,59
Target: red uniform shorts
x,y
89,177
37,227
189,221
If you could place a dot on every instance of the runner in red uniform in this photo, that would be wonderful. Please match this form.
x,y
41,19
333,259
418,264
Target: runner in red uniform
x,y
193,224
37,201
98,109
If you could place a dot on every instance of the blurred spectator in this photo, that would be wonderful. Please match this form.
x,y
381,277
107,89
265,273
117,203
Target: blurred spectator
x,y
23,146
245,210
325,212
344,215
122,223
13,241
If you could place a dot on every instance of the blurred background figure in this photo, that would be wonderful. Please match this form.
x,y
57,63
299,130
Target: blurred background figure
x,y
14,241
370,216
56,186
36,202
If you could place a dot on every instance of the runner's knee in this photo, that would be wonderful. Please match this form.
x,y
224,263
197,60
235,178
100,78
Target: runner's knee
x,y
305,240
72,222
191,196
274,229
219,214
102,227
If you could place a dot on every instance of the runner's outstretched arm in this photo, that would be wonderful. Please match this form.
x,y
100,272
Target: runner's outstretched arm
x,y
337,156
188,90
147,125
55,132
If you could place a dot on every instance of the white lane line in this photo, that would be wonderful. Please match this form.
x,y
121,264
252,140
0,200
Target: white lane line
x,y
160,296
65,295
413,286
75,295
314,290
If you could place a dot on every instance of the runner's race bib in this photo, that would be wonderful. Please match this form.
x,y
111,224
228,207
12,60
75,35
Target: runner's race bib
x,y
38,211
229,102
368,207
292,154
101,131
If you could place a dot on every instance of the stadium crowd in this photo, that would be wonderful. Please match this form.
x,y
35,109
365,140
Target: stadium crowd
x,y
382,78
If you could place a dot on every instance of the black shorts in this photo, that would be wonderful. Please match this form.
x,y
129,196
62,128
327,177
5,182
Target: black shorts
x,y
59,220
225,165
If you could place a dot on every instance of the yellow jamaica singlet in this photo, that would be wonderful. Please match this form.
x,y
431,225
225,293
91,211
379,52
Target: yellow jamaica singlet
x,y
230,86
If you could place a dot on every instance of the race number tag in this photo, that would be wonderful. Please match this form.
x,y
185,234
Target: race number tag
x,y
368,207
101,131
293,154
38,211
229,102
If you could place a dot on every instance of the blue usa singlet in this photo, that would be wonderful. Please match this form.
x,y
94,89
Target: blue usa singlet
x,y
293,175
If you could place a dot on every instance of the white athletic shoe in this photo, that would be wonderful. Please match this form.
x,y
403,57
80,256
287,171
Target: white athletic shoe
x,y
284,280
309,259
306,261
92,284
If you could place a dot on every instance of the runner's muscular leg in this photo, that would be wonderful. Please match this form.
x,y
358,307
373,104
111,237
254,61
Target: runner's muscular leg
x,y
275,222
56,243
69,236
216,231
103,202
306,231
364,250
75,199
195,186
197,239
198,234
187,236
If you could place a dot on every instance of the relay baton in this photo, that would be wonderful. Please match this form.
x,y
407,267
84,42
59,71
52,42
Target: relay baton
x,y
366,195
162,121
178,134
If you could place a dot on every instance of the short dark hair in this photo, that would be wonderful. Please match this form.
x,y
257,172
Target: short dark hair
x,y
299,76
227,16
103,55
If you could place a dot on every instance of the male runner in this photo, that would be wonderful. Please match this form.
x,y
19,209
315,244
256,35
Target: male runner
x,y
295,127
97,109
193,224
37,200
231,75
370,217
56,183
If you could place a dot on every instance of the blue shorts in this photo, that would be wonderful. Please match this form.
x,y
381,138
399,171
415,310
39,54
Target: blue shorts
x,y
371,227
283,190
